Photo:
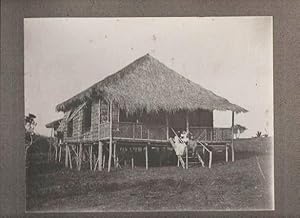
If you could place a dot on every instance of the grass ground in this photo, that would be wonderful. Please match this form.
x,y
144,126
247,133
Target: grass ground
x,y
233,185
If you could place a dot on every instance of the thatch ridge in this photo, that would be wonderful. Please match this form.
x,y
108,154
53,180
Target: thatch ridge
x,y
147,84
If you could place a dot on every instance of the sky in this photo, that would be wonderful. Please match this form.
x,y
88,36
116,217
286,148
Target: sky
x,y
231,56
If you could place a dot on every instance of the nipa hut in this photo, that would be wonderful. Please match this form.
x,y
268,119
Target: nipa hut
x,y
141,105
55,139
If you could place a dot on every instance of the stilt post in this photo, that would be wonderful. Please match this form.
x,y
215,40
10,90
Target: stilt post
x,y
103,161
226,153
59,154
115,154
79,156
210,159
132,163
70,158
186,157
100,155
146,155
110,135
67,156
50,145
232,149
91,156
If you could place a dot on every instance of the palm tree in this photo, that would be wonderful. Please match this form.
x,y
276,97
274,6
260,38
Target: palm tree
x,y
238,130
258,134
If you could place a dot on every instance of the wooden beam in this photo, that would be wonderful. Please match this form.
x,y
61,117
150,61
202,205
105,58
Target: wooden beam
x,y
232,149
100,155
110,134
146,155
167,124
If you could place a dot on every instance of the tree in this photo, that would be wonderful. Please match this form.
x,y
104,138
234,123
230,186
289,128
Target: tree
x,y
238,130
30,135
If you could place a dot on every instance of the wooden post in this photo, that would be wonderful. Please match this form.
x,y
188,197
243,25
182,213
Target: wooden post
x,y
91,157
56,153
50,145
146,154
99,118
232,149
167,124
67,156
226,153
79,156
100,154
110,135
103,161
132,163
70,158
115,154
210,159
59,154
186,157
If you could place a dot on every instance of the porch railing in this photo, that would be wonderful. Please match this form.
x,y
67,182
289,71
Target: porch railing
x,y
211,133
129,130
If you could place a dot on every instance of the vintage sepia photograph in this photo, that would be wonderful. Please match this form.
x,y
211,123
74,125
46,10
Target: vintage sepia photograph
x,y
149,114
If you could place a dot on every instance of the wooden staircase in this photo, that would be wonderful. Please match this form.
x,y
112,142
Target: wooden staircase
x,y
193,159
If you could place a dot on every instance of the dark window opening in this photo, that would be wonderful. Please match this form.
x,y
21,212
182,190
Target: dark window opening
x,y
104,112
87,117
70,128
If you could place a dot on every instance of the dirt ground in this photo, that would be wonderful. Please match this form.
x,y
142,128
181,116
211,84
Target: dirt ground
x,y
235,185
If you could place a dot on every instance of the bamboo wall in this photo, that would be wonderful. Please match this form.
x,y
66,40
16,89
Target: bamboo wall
x,y
199,118
79,122
95,119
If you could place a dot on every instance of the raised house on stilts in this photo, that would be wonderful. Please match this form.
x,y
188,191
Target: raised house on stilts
x,y
140,106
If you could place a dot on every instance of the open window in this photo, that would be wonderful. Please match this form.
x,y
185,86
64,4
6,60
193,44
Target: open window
x,y
70,128
104,112
87,117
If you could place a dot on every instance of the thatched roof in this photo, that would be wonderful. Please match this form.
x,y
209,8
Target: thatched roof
x,y
54,124
147,84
